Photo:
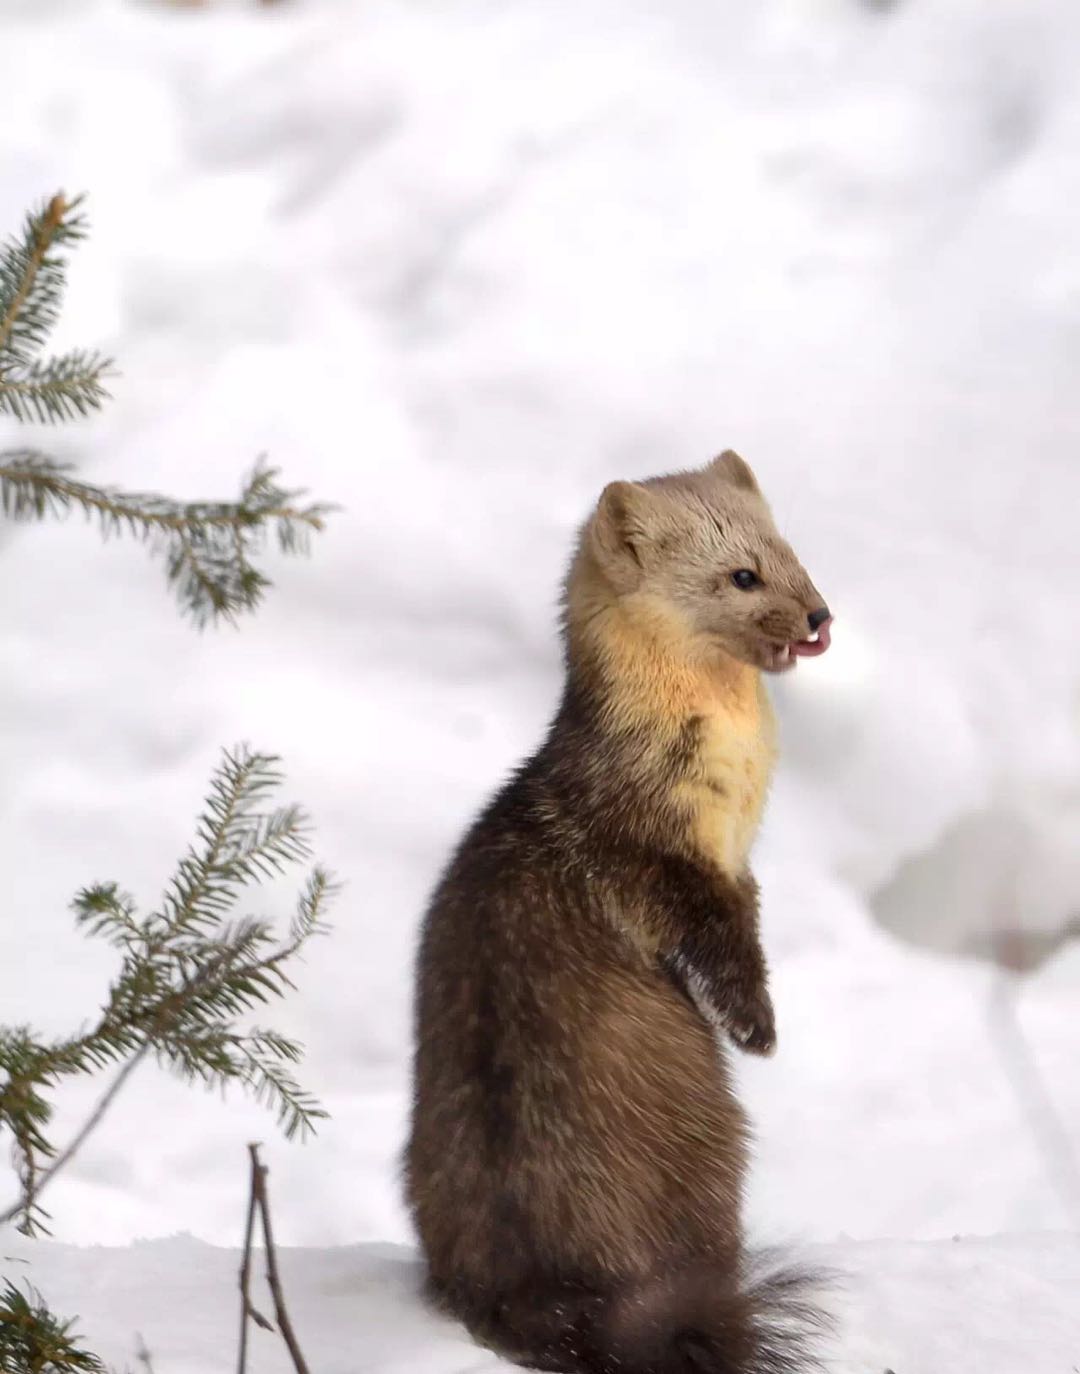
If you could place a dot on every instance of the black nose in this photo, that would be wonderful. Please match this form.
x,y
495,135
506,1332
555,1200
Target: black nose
x,y
818,617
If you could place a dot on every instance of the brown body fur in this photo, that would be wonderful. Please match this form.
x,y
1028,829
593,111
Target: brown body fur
x,y
577,1155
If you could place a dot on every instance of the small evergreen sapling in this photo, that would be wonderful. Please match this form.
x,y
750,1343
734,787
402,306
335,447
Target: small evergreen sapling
x,y
191,971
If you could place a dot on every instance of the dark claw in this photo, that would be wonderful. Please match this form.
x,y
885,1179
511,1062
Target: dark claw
x,y
753,1031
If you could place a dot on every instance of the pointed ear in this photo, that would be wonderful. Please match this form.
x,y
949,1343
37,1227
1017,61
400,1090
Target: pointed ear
x,y
621,532
735,470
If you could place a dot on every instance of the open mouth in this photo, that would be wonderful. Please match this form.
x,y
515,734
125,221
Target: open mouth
x,y
784,657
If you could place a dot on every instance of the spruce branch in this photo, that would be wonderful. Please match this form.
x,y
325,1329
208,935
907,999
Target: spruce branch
x,y
35,1341
188,978
32,280
208,546
32,276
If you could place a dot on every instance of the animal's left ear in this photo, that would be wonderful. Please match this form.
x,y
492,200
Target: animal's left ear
x,y
622,532
735,470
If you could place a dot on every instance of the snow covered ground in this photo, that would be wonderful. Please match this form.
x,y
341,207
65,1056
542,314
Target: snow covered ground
x,y
910,1307
454,265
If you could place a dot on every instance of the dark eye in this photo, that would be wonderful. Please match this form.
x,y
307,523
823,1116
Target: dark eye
x,y
744,579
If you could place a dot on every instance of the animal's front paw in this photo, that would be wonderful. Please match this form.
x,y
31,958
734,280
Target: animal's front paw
x,y
752,1024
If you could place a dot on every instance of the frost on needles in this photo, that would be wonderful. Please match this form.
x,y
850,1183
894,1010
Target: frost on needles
x,y
208,547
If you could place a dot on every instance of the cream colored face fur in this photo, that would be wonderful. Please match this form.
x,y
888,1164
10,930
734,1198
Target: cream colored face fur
x,y
675,550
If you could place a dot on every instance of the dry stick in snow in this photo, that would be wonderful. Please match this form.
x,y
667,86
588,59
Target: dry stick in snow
x,y
142,1354
259,1200
247,1308
1034,1097
272,1276
1017,951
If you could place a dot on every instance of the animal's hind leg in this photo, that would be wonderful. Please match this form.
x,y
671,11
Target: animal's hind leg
x,y
545,1328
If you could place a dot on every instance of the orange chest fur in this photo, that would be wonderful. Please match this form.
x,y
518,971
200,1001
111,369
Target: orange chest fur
x,y
727,780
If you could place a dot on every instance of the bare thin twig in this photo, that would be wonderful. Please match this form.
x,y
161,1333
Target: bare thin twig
x,y
247,1308
245,1270
1033,1096
261,1200
142,1354
76,1143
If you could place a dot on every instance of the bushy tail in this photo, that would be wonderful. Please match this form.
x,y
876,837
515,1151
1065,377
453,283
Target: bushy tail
x,y
692,1321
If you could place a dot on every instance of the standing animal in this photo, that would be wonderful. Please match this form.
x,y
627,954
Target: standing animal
x,y
577,1155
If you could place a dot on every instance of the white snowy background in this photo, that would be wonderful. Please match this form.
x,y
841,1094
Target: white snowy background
x,y
454,264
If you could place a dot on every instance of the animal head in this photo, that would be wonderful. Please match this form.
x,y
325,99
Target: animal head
x,y
697,556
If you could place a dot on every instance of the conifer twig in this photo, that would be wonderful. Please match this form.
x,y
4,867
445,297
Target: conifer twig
x,y
34,1340
41,230
208,546
273,1277
187,976
32,278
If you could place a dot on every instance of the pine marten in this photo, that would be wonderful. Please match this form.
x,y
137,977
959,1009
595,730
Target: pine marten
x,y
577,1155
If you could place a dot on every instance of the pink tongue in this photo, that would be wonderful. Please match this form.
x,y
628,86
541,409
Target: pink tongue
x,y
805,649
